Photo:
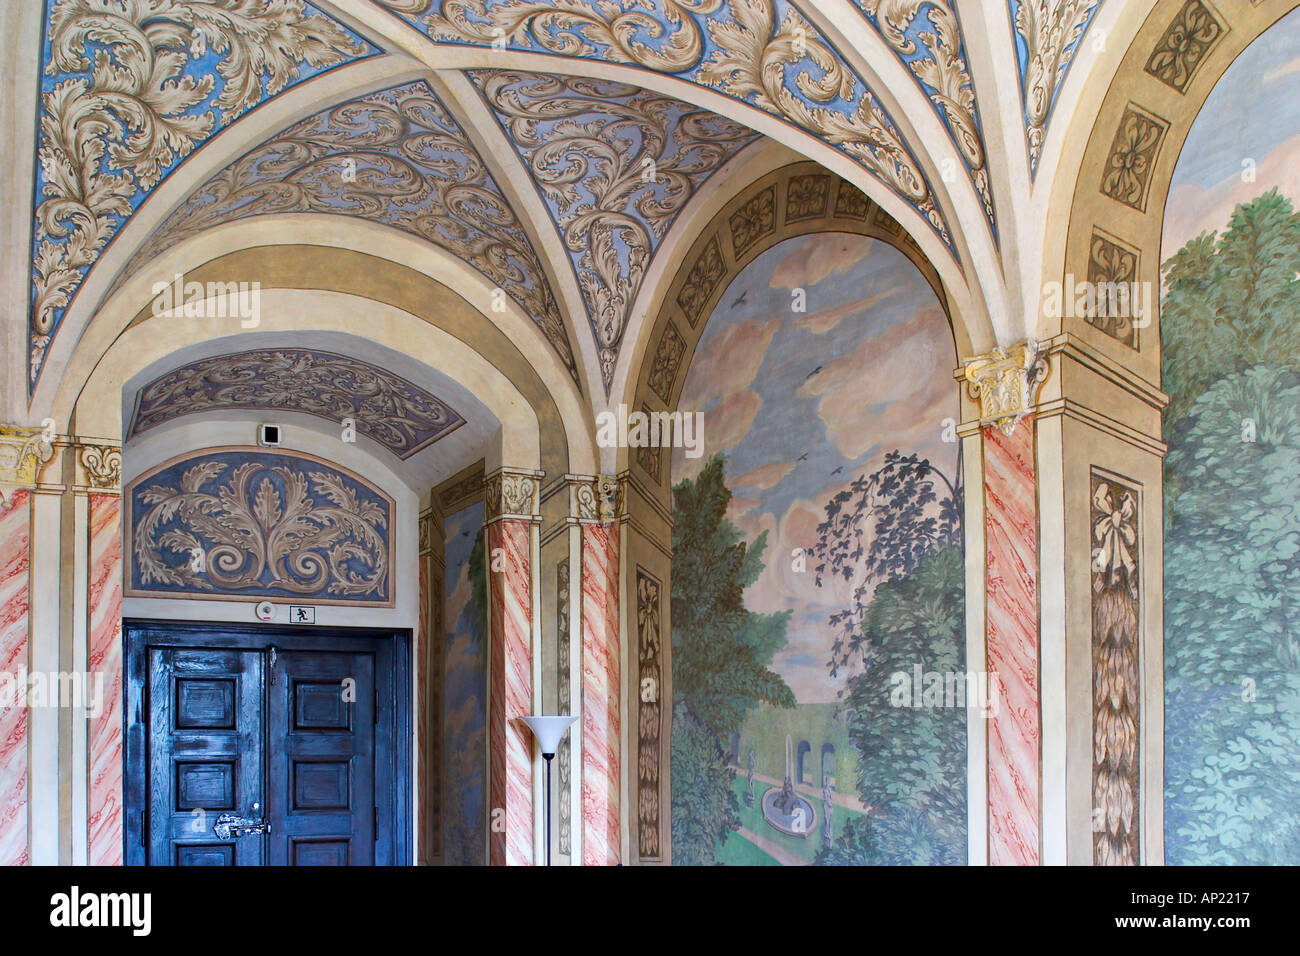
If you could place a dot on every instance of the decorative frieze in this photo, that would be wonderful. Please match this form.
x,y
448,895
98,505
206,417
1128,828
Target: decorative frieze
x,y
1006,382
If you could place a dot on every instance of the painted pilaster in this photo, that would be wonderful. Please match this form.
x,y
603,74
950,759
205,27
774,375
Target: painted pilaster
x,y
97,741
513,513
15,537
594,507
1005,383
429,680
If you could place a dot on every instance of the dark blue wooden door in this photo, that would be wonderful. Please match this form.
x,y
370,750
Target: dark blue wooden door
x,y
322,718
251,746
206,740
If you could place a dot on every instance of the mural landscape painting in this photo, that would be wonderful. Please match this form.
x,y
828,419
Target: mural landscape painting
x,y
818,566
1230,332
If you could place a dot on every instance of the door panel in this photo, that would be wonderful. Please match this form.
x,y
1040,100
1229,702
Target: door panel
x,y
206,738
322,716
307,731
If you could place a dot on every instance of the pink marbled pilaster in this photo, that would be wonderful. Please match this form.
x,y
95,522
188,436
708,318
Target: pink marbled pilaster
x,y
1011,540
104,734
600,690
15,537
511,762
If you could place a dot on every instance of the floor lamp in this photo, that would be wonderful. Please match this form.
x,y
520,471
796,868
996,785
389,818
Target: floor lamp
x,y
548,731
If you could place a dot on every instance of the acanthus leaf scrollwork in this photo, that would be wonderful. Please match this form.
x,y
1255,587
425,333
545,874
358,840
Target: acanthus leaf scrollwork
x,y
276,526
130,106
616,165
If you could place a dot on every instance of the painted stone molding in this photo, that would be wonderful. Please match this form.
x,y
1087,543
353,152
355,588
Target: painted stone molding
x,y
565,755
22,453
707,271
395,157
510,493
851,202
667,360
241,522
1133,153
615,165
764,53
806,197
1048,33
594,499
1112,261
102,466
936,57
131,89
649,710
1116,707
1006,383
1188,40
381,405
649,457
752,221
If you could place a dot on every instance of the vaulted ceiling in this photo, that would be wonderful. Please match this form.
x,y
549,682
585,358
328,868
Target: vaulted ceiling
x,y
649,102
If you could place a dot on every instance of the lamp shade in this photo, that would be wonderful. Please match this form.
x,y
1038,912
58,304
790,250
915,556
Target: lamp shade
x,y
548,731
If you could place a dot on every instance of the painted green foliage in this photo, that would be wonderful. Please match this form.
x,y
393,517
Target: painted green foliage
x,y
912,759
1231,351
721,653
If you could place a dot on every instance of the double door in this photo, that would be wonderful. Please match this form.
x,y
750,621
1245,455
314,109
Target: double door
x,y
262,747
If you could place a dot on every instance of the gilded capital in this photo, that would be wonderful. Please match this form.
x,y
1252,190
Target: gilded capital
x,y
1006,382
22,453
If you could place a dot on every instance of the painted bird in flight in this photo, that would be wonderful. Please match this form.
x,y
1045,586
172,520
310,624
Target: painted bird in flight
x,y
813,372
741,299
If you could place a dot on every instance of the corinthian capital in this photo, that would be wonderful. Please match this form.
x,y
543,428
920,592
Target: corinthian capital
x,y
1006,382
22,453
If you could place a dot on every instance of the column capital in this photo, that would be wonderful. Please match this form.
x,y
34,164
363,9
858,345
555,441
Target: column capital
x,y
513,493
595,499
23,452
1006,382
98,465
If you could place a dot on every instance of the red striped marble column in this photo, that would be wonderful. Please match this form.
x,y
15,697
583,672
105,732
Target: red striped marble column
x,y
104,734
1011,549
600,696
512,509
15,540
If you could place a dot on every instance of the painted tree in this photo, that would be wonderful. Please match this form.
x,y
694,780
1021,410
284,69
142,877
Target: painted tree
x,y
721,652
896,533
879,529
1231,352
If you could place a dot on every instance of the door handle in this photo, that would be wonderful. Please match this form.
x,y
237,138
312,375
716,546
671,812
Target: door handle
x,y
231,825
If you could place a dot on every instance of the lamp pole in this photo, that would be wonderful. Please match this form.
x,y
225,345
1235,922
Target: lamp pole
x,y
548,731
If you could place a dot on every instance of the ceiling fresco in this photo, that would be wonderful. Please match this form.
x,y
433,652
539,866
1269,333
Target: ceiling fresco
x,y
383,406
128,91
1047,36
926,37
615,165
764,53
397,158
